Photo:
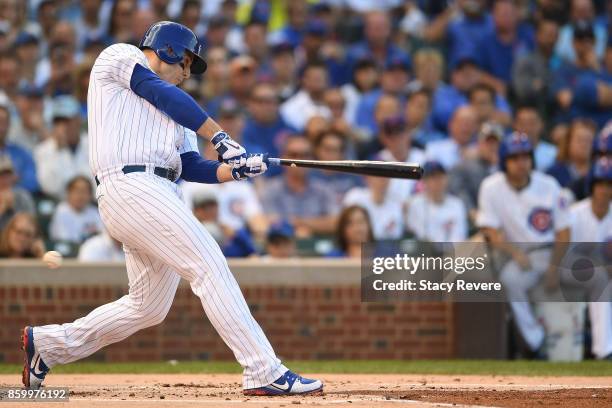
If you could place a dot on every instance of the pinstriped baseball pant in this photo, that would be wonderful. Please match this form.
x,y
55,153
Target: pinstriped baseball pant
x,y
163,242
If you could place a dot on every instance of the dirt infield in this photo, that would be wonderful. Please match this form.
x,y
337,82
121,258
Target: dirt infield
x,y
341,390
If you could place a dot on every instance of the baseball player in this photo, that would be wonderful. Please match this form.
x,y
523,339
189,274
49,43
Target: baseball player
x,y
142,129
518,205
592,222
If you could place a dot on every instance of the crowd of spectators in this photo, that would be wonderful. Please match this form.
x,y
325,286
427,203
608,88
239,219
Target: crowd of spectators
x,y
439,83
434,82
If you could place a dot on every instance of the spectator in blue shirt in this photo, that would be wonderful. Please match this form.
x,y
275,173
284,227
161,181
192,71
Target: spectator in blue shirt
x,y
575,83
581,10
500,47
393,81
448,98
22,161
265,130
377,43
460,32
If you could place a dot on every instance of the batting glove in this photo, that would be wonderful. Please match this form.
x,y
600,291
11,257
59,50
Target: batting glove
x,y
255,164
229,150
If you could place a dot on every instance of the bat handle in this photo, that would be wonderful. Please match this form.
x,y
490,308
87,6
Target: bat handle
x,y
273,161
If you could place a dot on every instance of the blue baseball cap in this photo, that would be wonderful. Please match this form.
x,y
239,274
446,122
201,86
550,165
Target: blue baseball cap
x,y
25,38
432,167
281,229
398,62
317,28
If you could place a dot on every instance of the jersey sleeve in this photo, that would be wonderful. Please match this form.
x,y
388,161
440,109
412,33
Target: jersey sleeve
x,y
116,63
487,216
190,142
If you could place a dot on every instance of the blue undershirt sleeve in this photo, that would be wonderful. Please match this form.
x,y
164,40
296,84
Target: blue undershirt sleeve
x,y
170,99
199,170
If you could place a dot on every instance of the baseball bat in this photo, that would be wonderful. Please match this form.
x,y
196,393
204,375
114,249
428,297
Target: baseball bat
x,y
364,167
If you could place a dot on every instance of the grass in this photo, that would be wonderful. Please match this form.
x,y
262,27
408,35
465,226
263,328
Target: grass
x,y
452,367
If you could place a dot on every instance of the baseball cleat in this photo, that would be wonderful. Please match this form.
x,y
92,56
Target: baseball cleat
x,y
288,384
34,369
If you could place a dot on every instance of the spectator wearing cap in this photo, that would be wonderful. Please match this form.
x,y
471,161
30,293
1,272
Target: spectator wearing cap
x,y
388,106
46,19
28,128
527,120
566,77
13,199
393,81
482,98
308,101
354,229
365,79
265,129
499,47
330,144
64,155
447,98
234,243
397,142
418,121
27,49
307,203
241,80
283,65
461,29
384,211
75,219
280,241
465,178
21,159
581,10
574,158
462,129
532,73
101,248
378,41
435,215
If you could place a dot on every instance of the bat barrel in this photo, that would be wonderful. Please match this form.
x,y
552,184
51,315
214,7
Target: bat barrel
x,y
363,167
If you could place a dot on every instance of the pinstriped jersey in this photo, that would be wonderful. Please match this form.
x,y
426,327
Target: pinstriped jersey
x,y
123,127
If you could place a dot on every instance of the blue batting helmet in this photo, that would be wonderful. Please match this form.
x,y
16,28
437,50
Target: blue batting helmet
x,y
602,144
601,170
170,41
515,144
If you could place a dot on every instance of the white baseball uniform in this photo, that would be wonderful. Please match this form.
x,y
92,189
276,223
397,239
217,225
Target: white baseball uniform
x,y
586,227
531,215
162,239
386,217
437,222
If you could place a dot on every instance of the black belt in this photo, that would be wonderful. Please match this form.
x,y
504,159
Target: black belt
x,y
169,174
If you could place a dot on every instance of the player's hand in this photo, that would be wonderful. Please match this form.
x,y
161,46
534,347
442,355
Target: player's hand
x,y
255,164
229,150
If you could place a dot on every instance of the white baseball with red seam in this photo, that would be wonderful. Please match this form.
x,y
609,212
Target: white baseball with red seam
x,y
53,259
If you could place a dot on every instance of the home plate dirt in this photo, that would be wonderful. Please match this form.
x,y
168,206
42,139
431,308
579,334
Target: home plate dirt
x,y
341,390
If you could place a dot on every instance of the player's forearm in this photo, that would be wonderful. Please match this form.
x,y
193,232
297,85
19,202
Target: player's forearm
x,y
224,173
560,248
497,241
208,129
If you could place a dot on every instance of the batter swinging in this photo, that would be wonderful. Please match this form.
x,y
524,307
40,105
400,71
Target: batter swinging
x,y
141,129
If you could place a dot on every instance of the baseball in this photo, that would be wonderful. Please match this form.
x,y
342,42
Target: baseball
x,y
293,165
53,259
